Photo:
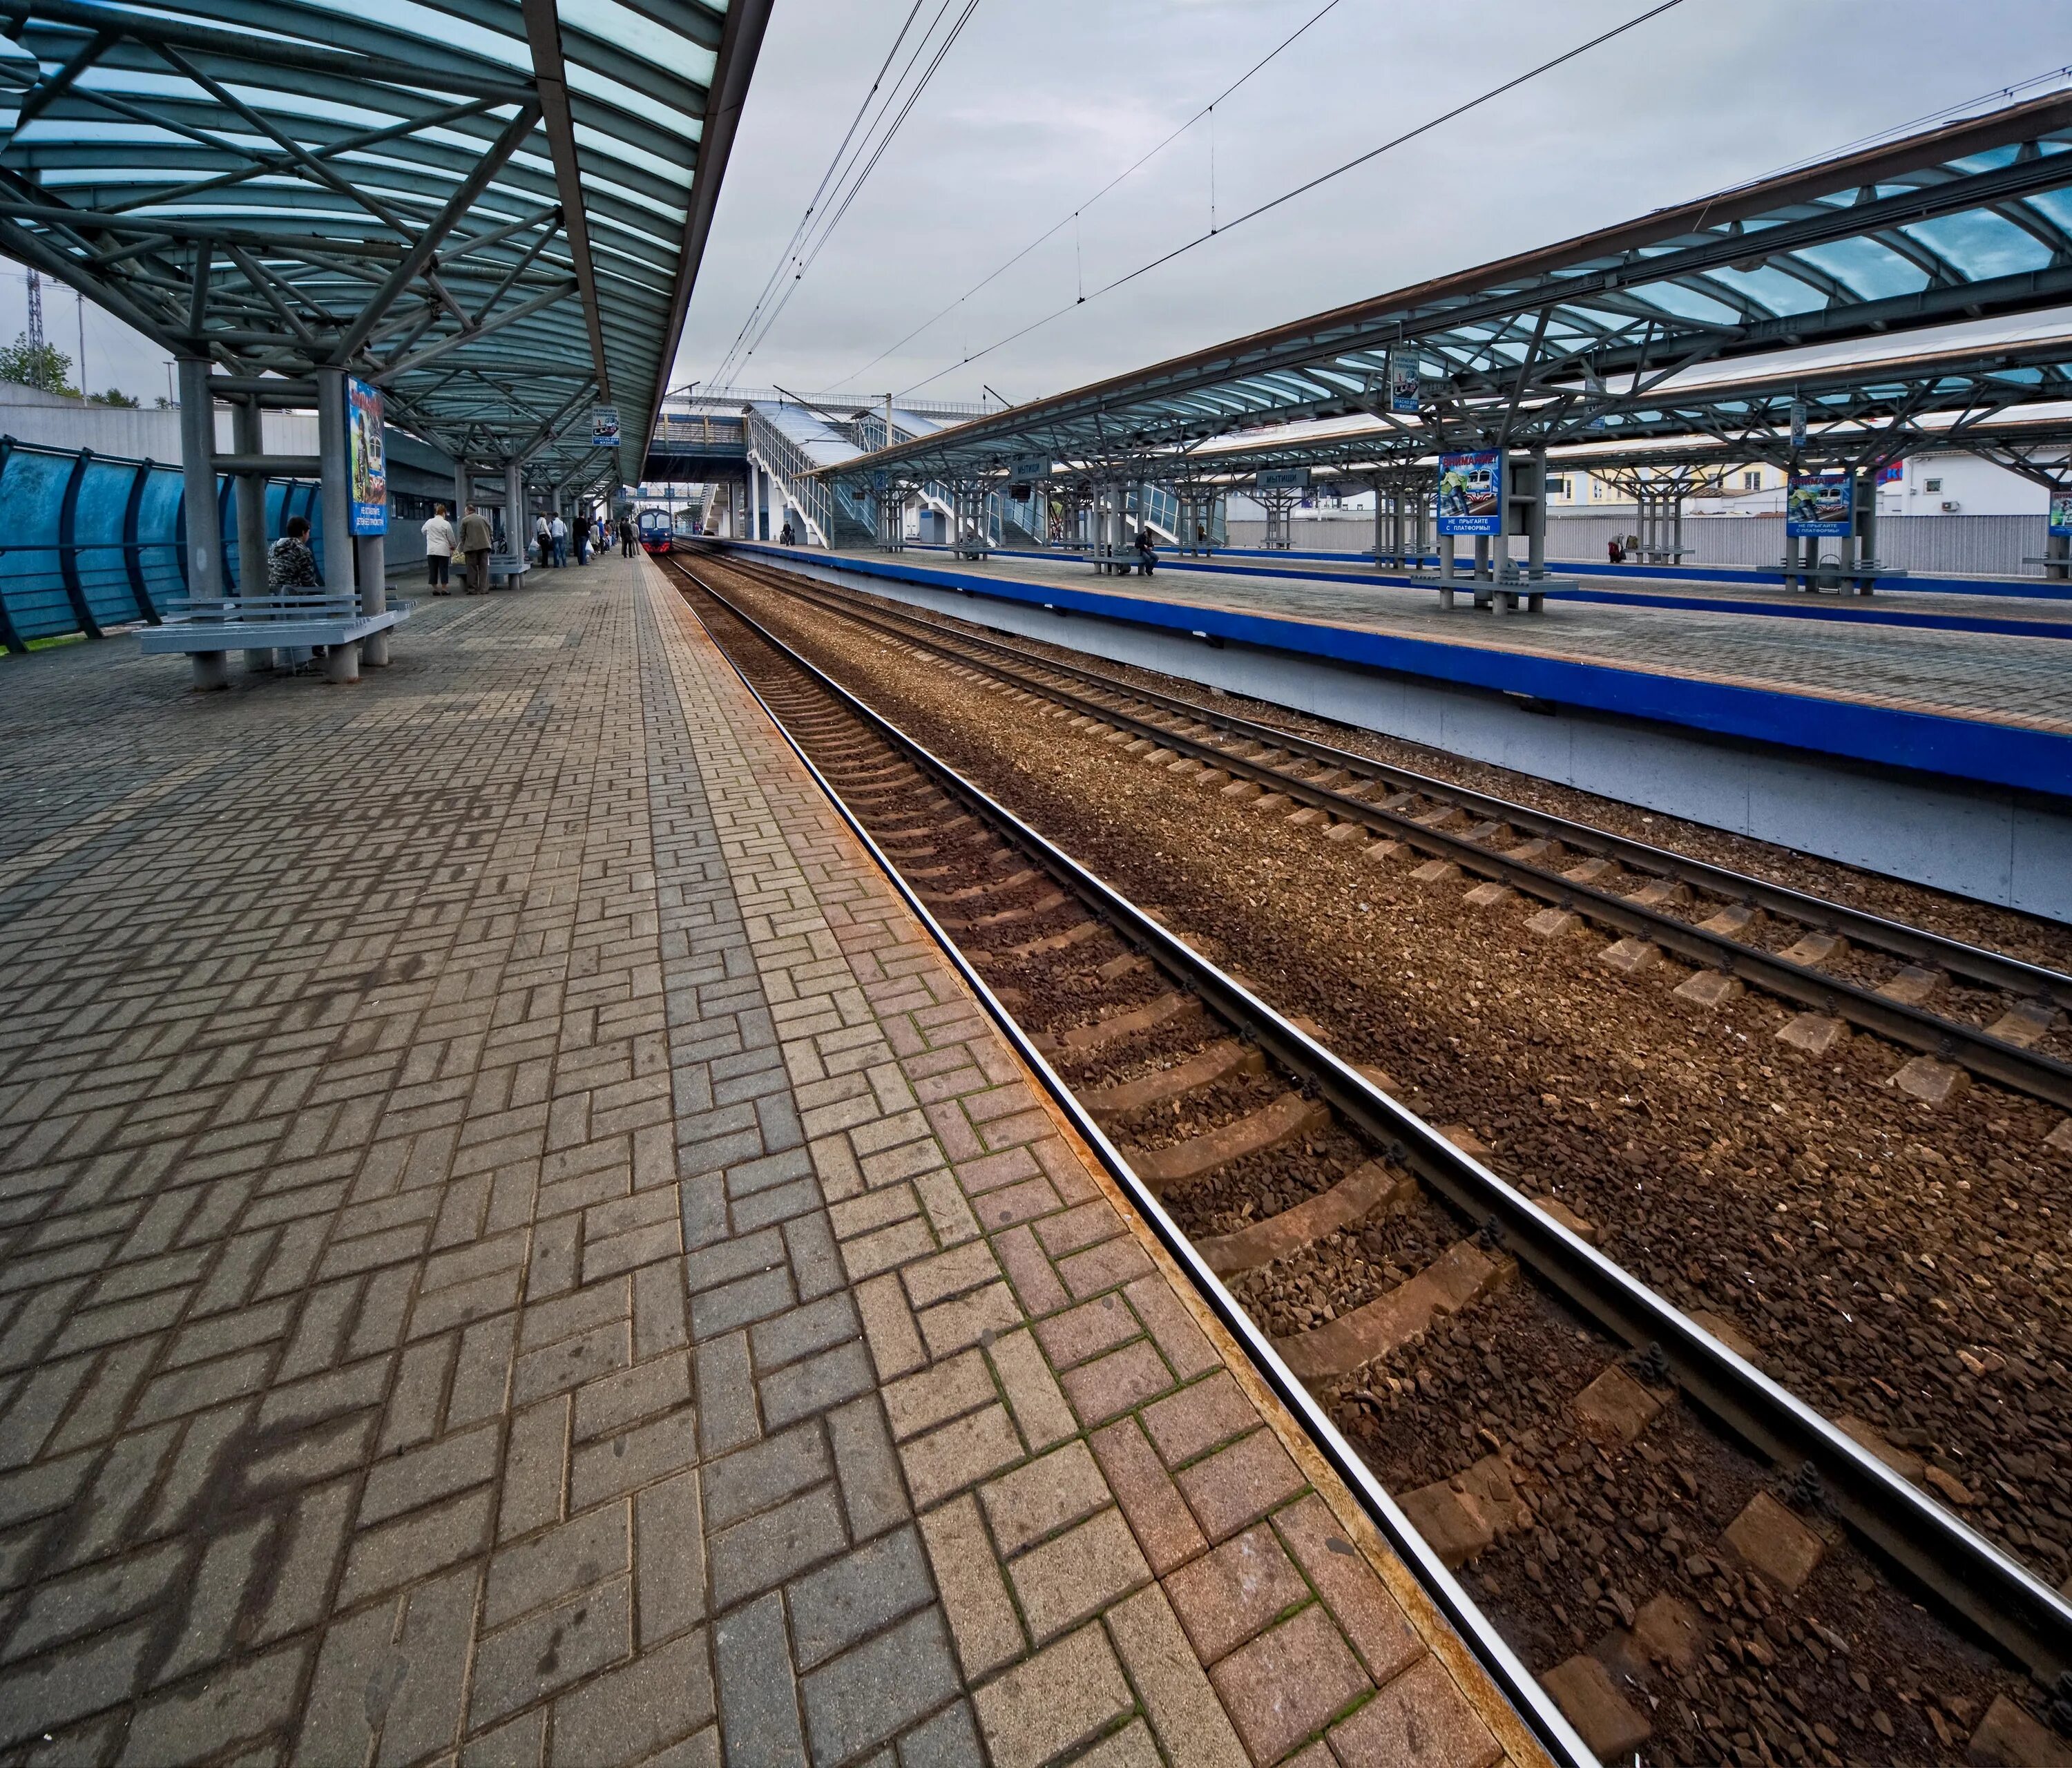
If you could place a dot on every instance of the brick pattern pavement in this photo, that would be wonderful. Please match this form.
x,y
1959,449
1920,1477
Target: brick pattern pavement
x,y
514,1248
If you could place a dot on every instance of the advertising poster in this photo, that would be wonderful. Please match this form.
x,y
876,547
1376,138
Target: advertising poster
x,y
604,426
1471,493
1819,506
1892,472
369,458
2061,513
1406,383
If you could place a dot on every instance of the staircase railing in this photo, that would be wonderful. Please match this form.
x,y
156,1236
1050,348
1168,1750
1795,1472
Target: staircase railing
x,y
787,463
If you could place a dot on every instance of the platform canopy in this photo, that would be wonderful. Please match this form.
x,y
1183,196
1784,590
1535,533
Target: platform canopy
x,y
493,209
1710,318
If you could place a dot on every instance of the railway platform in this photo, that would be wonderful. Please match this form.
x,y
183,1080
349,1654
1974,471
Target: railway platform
x,y
517,1247
1931,740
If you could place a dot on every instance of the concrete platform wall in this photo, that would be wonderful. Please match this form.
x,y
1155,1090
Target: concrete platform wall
x,y
1998,845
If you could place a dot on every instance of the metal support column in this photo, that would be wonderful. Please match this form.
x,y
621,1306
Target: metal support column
x,y
204,532
248,438
334,484
1866,534
1535,533
371,561
1447,543
516,539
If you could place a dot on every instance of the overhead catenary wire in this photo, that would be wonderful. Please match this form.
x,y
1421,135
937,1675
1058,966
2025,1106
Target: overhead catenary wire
x,y
843,180
1304,188
798,230
1073,219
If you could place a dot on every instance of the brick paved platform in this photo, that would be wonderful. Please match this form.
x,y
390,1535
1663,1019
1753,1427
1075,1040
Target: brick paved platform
x,y
513,1249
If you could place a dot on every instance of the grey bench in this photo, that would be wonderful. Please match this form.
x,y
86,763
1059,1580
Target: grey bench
x,y
261,625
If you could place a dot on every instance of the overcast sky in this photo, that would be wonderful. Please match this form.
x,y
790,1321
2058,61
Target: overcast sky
x,y
1040,102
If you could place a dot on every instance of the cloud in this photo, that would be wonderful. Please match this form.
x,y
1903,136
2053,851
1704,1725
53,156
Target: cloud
x,y
1037,107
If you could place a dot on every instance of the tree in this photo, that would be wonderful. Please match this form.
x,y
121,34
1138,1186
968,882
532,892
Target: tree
x,y
43,366
114,396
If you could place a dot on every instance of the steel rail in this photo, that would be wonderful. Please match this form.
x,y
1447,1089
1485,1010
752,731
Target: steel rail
x,y
1535,1708
2024,1070
1975,964
1947,1559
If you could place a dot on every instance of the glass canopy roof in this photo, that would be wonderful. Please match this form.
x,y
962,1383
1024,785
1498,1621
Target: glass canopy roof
x,y
493,209
1596,339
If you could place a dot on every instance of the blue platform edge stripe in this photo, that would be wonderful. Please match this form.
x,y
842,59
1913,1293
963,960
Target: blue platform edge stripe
x,y
1847,613
2038,589
1964,749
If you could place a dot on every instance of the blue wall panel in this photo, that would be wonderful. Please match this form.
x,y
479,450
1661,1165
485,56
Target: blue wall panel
x,y
33,592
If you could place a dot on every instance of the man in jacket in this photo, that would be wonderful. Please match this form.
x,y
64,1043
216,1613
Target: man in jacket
x,y
439,551
476,539
291,567
559,530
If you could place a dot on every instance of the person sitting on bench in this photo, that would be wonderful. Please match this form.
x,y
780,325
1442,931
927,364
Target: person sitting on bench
x,y
290,565
1147,551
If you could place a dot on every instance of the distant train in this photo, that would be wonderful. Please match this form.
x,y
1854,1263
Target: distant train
x,y
656,530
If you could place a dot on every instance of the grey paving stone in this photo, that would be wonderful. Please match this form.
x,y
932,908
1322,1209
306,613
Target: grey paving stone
x,y
816,1267
779,1115
765,1473
761,1552
873,1490
800,1389
550,1651
778,1203
871,1694
769,1082
857,1596
704,1199
741,1257
735,1304
691,1089
728,1412
744,1177
787,1337
759,1701
627,1714
950,1740
749,1062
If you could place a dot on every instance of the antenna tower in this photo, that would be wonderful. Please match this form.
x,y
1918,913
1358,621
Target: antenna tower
x,y
35,311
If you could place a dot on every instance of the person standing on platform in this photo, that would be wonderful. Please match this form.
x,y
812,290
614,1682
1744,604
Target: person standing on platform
x,y
559,529
625,536
439,551
543,540
476,539
582,537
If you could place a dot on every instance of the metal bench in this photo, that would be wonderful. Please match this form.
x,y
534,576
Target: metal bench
x,y
261,625
1119,563
1813,577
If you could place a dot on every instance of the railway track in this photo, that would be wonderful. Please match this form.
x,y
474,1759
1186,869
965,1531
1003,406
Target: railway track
x,y
1845,966
1711,1595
